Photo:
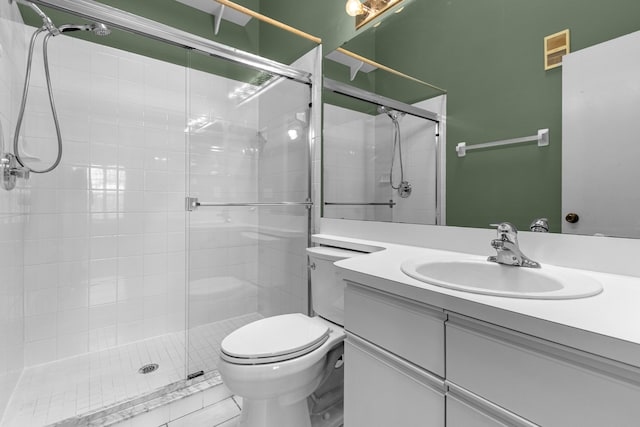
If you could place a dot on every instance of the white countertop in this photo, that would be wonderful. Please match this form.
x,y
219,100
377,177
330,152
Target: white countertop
x,y
607,324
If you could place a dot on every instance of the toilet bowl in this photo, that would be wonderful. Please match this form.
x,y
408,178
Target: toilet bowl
x,y
274,364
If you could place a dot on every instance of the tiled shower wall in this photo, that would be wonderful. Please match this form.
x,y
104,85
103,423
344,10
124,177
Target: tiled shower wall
x,y
224,158
247,259
104,249
284,169
105,241
12,208
349,159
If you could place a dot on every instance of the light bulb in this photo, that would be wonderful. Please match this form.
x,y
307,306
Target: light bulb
x,y
354,7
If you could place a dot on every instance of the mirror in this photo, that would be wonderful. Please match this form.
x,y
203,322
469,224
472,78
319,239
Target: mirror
x,y
489,57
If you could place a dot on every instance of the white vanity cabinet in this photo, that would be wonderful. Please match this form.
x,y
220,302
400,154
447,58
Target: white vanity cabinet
x,y
390,380
411,364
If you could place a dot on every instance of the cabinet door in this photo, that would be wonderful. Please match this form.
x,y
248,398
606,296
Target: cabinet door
x,y
411,330
383,390
464,409
546,383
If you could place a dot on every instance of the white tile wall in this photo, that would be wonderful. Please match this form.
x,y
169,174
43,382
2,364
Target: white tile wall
x,y
283,176
349,160
222,168
244,260
99,270
12,209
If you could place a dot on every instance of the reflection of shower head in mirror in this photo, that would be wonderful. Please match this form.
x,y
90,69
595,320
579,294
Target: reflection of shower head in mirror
x,y
404,188
393,114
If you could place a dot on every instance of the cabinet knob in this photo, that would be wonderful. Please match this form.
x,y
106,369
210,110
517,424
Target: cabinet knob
x,y
572,218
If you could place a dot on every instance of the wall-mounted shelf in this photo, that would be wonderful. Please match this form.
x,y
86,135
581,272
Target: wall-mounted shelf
x,y
542,137
219,12
355,65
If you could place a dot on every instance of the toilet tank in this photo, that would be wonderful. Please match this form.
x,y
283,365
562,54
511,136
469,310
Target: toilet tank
x,y
327,287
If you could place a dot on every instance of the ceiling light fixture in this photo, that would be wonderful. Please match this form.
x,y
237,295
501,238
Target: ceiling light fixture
x,y
366,10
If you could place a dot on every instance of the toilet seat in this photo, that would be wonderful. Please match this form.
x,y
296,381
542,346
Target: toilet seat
x,y
274,339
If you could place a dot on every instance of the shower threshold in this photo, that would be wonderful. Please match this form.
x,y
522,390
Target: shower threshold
x,y
144,404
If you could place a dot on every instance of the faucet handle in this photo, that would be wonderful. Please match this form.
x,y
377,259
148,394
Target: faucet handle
x,y
540,225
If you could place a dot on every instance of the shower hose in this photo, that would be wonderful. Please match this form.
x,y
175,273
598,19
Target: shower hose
x,y
25,93
397,142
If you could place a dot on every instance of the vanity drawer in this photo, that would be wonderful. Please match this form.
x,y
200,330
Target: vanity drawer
x,y
408,329
543,382
464,409
382,390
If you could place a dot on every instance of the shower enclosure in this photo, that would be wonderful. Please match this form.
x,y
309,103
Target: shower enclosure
x,y
383,158
180,211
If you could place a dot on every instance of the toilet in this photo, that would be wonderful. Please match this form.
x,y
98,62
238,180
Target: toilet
x,y
276,363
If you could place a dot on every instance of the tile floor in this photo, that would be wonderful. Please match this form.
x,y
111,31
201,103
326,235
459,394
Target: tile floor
x,y
62,389
225,413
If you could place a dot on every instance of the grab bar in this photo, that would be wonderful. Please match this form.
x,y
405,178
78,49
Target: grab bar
x,y
192,204
390,203
542,137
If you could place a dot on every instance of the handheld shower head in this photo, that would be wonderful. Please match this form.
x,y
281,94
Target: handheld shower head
x,y
46,21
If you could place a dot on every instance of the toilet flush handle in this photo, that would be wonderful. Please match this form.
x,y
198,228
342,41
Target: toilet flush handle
x,y
312,266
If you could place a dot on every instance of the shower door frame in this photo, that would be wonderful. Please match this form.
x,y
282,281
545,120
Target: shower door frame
x,y
126,21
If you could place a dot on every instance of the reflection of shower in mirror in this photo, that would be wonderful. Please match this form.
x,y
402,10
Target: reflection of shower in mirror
x,y
403,188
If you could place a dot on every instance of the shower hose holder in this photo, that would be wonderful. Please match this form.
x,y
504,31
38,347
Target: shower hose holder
x,y
10,171
404,190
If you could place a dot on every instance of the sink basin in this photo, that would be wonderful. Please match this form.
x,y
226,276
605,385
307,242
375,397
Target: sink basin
x,y
490,278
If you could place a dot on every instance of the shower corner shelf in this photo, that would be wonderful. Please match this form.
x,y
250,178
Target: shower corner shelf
x,y
542,137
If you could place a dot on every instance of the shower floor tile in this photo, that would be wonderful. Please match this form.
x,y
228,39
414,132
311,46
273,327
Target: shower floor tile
x,y
66,388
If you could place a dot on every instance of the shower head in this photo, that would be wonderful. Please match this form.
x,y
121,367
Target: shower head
x,y
97,28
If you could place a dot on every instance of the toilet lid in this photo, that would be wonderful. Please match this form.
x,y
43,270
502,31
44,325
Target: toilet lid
x,y
275,338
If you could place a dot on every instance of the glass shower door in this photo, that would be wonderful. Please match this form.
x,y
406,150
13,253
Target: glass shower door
x,y
248,186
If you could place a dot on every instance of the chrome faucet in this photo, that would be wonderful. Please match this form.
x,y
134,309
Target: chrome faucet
x,y
507,247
